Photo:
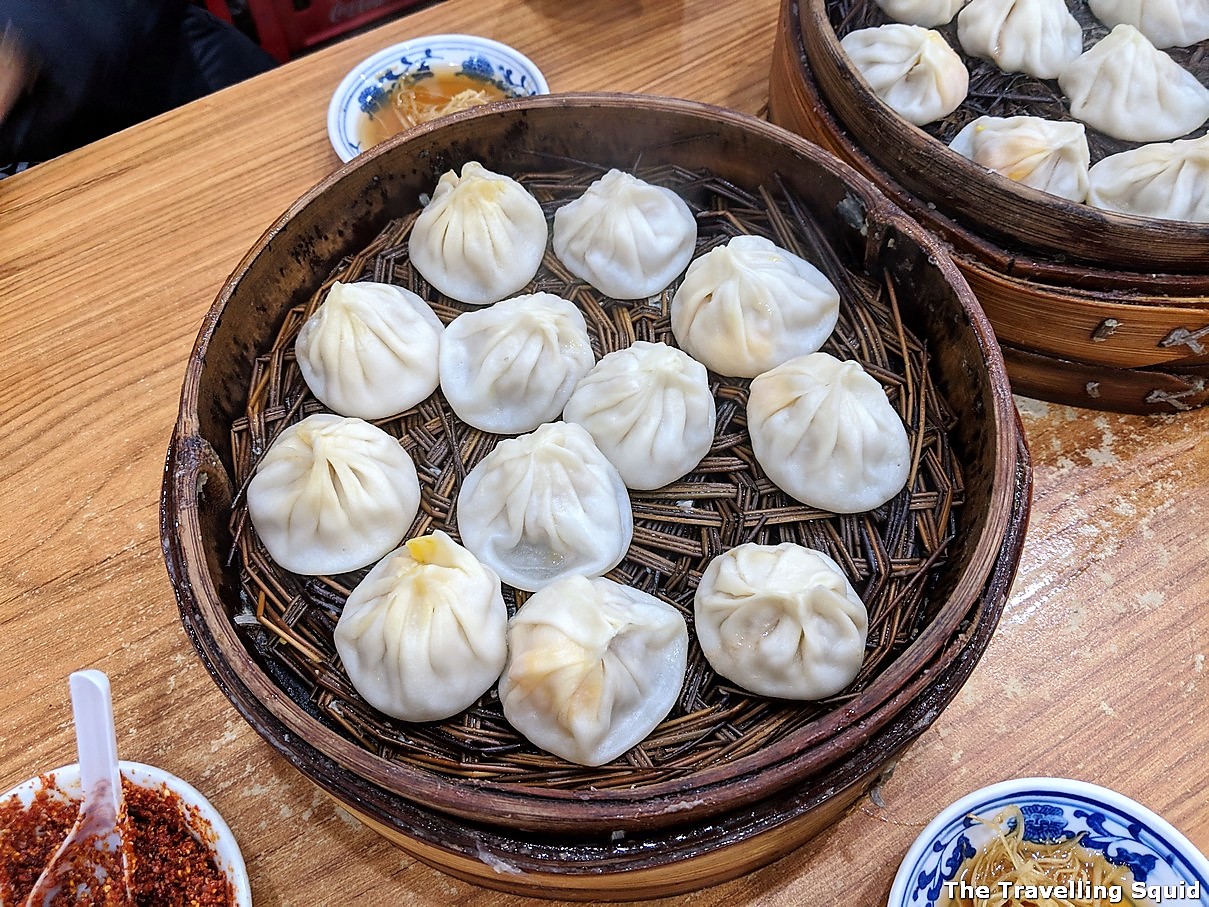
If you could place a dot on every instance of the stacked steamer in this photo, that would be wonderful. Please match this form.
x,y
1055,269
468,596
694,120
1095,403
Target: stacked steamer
x,y
1059,151
475,524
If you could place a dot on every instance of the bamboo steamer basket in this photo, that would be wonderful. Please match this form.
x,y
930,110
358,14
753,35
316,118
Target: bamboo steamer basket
x,y
637,830
1092,308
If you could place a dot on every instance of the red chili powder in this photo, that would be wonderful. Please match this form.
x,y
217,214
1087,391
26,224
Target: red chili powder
x,y
29,837
169,866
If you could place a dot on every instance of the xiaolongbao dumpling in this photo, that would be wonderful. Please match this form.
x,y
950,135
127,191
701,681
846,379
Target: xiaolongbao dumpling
x,y
1167,23
1168,180
649,409
911,68
626,237
749,305
425,633
481,237
546,505
513,366
928,13
370,349
1127,88
824,431
332,494
781,621
593,667
1038,37
1050,155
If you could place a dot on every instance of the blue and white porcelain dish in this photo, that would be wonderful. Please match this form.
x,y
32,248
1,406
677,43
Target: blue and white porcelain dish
x,y
368,83
1171,870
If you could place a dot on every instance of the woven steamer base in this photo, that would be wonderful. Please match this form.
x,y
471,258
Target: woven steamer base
x,y
1092,308
724,502
935,565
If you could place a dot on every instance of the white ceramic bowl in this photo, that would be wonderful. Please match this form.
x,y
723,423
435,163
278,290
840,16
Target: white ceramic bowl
x,y
504,67
203,819
1055,809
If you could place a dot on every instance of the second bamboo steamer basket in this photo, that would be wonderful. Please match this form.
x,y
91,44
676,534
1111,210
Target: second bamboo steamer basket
x,y
1092,308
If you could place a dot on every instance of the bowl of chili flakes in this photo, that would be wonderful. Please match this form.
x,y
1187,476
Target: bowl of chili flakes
x,y
184,852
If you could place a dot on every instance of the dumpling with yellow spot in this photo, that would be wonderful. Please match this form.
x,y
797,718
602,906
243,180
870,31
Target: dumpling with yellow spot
x,y
424,634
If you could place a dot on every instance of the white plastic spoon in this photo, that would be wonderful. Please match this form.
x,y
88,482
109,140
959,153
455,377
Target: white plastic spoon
x,y
93,857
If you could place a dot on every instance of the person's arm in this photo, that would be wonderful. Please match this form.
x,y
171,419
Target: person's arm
x,y
71,39
15,72
89,64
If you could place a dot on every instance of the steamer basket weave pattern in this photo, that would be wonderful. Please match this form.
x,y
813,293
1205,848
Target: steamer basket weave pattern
x,y
890,554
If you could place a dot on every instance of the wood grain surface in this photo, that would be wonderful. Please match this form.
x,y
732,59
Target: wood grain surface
x,y
109,260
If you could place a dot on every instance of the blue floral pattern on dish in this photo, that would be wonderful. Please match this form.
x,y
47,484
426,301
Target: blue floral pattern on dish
x,y
1044,823
372,97
1051,816
479,66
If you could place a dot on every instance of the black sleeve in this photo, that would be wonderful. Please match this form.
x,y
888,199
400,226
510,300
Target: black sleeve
x,y
95,63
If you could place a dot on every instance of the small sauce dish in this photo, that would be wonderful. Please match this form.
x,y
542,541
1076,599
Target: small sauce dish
x,y
422,79
1166,867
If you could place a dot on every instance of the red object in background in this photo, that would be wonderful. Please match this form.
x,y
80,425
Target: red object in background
x,y
287,28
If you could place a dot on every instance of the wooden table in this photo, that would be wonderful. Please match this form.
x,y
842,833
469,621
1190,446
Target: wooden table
x,y
110,257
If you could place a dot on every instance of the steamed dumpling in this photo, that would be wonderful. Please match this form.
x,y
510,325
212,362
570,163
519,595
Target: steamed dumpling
x,y
370,349
593,667
544,506
649,409
332,494
1168,180
513,366
1038,37
1167,23
750,305
928,13
781,621
424,634
480,238
824,431
1127,88
911,68
1050,155
626,237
